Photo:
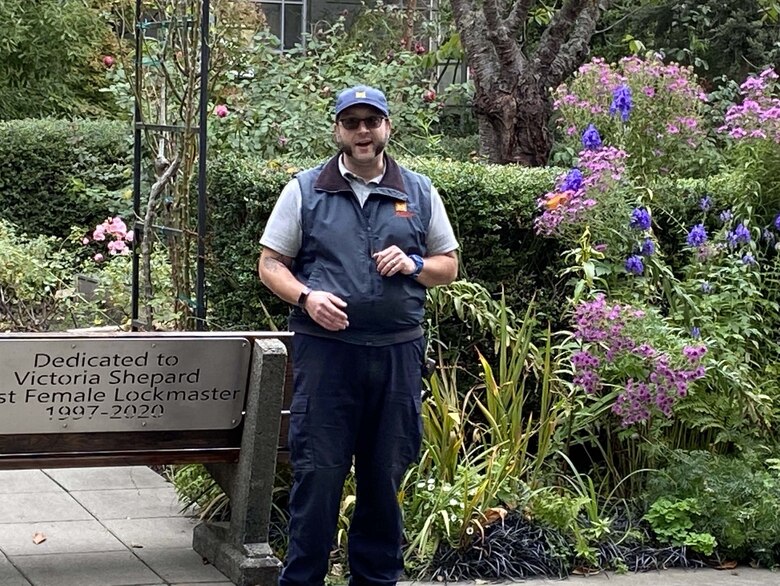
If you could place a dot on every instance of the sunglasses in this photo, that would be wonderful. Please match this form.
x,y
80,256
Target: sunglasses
x,y
371,122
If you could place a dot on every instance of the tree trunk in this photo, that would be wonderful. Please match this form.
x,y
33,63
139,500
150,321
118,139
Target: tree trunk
x,y
513,123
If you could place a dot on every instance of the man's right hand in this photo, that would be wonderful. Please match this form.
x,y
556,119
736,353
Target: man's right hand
x,y
326,309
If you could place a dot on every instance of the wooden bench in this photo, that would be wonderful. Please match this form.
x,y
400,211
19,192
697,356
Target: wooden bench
x,y
216,398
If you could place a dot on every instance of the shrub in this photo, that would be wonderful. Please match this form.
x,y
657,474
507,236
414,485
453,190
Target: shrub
x,y
737,501
650,109
32,290
295,90
55,174
51,59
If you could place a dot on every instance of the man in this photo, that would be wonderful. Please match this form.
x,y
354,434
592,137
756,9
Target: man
x,y
353,244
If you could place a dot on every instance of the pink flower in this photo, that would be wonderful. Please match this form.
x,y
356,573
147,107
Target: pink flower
x,y
108,61
98,257
221,111
99,233
117,227
85,240
429,95
130,236
117,247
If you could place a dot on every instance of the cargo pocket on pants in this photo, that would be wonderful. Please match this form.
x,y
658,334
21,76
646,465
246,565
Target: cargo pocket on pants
x,y
299,438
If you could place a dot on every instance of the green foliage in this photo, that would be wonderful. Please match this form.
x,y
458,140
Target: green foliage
x,y
501,462
718,37
38,285
672,522
736,500
51,59
295,90
56,174
196,489
32,287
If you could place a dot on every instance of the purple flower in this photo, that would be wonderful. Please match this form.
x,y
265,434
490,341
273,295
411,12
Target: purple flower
x,y
695,333
589,381
706,287
697,236
591,139
621,102
725,216
705,203
640,219
740,235
694,353
572,181
647,248
583,360
748,259
634,265
777,222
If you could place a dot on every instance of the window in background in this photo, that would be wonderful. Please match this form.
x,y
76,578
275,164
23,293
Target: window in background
x,y
286,19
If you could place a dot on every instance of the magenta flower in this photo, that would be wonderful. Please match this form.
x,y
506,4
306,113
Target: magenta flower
x,y
221,111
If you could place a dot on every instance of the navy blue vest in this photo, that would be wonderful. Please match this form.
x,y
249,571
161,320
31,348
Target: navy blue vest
x,y
339,239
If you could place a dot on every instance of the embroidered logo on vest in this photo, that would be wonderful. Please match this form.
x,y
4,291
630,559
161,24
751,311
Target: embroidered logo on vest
x,y
401,210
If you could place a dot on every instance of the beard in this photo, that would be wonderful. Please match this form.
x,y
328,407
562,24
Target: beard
x,y
379,147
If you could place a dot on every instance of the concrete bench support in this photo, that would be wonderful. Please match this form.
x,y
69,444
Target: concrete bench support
x,y
239,549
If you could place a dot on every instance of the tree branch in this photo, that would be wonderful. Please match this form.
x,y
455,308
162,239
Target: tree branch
x,y
473,36
507,49
556,34
518,16
574,51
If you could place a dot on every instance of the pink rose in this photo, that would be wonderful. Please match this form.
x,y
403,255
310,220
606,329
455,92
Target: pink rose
x,y
221,111
98,257
429,96
108,61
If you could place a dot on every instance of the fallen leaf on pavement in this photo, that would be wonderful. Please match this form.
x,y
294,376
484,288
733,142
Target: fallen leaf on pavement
x,y
38,538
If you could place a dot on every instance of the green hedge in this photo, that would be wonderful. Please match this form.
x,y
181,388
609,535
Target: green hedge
x,y
55,174
491,208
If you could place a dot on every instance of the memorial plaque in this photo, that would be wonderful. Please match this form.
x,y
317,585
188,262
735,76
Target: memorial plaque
x,y
81,385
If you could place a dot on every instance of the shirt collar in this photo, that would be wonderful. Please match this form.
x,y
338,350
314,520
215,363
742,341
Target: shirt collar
x,y
350,176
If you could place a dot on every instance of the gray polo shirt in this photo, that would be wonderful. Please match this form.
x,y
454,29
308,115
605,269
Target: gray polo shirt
x,y
283,232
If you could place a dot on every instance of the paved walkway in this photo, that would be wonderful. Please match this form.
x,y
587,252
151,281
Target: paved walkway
x,y
122,527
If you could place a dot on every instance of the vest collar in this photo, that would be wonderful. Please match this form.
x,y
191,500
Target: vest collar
x,y
392,185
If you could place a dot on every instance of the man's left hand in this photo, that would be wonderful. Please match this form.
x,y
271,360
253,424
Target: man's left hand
x,y
393,260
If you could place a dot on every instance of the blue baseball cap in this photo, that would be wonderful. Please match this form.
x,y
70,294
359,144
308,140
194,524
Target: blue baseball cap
x,y
362,95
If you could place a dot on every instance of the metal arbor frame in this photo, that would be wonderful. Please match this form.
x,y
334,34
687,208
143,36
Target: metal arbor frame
x,y
139,126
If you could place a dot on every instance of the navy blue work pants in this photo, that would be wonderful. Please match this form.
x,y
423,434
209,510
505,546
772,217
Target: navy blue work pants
x,y
351,401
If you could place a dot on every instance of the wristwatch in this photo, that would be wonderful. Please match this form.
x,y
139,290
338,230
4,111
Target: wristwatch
x,y
418,265
303,297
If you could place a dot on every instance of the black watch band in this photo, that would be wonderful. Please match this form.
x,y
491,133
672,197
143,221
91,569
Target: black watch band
x,y
303,297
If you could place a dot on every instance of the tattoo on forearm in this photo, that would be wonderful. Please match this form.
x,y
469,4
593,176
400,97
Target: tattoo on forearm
x,y
271,262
